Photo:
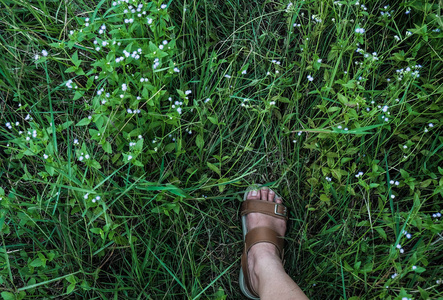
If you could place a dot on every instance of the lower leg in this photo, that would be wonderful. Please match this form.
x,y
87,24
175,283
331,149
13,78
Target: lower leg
x,y
268,273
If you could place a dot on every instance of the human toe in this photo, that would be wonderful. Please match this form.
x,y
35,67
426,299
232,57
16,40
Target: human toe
x,y
271,195
253,195
264,191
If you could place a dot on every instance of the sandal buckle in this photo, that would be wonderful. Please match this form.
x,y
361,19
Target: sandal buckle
x,y
280,214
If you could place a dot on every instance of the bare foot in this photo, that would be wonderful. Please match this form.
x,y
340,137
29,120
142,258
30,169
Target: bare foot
x,y
262,253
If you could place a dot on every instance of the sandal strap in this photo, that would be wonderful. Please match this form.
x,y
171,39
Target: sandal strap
x,y
265,207
264,235
255,236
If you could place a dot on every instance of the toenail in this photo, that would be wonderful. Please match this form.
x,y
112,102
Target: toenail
x,y
254,193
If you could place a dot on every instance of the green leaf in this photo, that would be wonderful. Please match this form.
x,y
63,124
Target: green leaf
x,y
78,95
36,263
199,141
367,268
49,169
75,59
404,174
381,232
96,230
213,168
139,145
95,164
71,279
79,71
424,294
8,296
333,108
213,120
137,163
70,288
83,122
107,147
323,197
71,69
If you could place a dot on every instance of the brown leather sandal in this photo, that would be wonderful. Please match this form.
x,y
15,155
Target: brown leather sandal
x,y
258,235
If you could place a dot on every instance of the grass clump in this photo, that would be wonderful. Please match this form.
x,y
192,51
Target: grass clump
x,y
130,130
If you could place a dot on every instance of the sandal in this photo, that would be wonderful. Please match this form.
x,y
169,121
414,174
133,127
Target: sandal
x,y
258,235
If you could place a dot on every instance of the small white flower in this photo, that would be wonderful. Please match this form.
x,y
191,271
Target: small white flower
x,y
405,147
163,6
310,78
398,246
129,157
402,250
44,52
124,87
431,125
86,196
80,158
394,275
87,156
319,60
45,156
408,235
396,183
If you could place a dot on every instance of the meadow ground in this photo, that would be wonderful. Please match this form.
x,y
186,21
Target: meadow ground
x,y
131,129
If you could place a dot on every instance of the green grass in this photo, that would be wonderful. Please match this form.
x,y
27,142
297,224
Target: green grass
x,y
167,224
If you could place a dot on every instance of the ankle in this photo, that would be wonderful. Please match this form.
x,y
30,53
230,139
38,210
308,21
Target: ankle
x,y
262,256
